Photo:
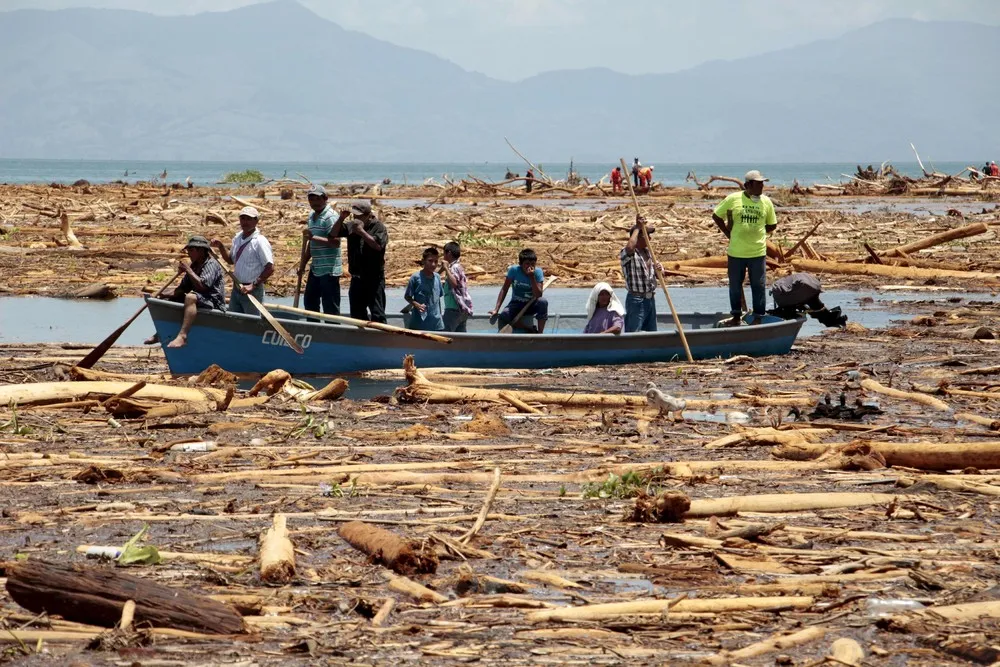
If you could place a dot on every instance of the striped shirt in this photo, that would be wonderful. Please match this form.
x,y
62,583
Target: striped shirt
x,y
639,273
325,259
254,254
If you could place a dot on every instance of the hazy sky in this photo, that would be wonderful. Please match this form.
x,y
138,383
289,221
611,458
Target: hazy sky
x,y
513,39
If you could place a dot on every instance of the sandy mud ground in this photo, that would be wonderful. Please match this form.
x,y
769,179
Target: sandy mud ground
x,y
751,530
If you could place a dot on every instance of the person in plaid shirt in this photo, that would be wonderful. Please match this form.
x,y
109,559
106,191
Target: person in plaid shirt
x,y
639,272
457,302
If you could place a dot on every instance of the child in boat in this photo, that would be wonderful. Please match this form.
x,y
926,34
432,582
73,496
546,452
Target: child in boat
x,y
526,279
424,292
605,313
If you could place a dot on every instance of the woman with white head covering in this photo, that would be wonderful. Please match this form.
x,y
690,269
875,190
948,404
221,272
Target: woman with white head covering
x,y
605,313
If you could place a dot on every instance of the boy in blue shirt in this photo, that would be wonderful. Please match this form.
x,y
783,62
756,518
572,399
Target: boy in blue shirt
x,y
424,292
526,279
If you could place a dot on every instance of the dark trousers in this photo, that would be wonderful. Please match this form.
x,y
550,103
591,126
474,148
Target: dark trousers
x,y
367,297
738,269
539,309
323,290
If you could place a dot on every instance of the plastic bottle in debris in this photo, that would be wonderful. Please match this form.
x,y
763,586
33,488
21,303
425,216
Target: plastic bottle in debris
x,y
879,607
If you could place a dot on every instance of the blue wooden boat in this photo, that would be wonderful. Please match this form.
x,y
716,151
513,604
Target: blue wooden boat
x,y
247,344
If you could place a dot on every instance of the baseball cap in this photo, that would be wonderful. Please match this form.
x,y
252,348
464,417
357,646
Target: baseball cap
x,y
754,175
249,211
198,242
316,190
361,208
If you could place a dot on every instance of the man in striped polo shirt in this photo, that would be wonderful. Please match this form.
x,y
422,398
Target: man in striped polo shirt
x,y
252,260
323,233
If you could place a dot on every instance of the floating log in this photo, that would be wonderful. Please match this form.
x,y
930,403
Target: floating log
x,y
936,456
277,554
847,652
34,393
938,239
97,596
386,548
778,642
784,502
604,611
903,272
929,401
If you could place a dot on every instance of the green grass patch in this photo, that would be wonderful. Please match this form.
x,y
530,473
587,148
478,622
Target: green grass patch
x,y
474,239
245,176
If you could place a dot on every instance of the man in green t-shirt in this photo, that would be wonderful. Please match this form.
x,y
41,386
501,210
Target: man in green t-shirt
x,y
747,218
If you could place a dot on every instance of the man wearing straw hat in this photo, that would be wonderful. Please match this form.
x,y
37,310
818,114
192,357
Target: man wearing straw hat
x,y
747,218
203,287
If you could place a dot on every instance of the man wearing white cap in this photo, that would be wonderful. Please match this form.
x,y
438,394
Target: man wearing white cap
x,y
252,260
747,218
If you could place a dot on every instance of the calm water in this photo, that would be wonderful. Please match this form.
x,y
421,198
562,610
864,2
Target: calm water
x,y
47,320
207,173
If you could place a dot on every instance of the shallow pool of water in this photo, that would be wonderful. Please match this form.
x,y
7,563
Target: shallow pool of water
x,y
49,320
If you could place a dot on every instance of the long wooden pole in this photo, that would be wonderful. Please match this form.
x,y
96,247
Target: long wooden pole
x,y
302,263
95,355
260,308
656,265
362,324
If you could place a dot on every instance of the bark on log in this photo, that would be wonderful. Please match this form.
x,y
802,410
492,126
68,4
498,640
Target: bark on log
x,y
96,596
595,612
386,548
904,272
277,554
936,456
938,239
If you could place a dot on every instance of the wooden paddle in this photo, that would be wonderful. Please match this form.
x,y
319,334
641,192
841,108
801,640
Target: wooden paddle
x,y
95,355
509,328
302,262
363,324
652,255
263,311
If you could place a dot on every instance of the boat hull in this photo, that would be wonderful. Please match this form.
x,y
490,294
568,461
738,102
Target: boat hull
x,y
247,344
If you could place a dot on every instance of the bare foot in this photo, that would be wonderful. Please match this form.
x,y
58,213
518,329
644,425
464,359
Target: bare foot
x,y
180,341
152,340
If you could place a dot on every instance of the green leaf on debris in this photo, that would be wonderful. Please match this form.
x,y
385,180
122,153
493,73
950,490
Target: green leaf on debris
x,y
136,555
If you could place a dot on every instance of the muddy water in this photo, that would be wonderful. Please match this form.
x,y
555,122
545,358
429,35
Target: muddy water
x,y
47,320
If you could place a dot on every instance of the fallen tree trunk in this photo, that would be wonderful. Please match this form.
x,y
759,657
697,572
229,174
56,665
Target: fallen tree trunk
x,y
936,456
596,612
277,554
97,596
35,393
938,239
936,403
783,502
778,642
904,272
386,548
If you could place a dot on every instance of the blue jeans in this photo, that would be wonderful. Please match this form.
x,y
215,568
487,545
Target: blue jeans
x,y
540,309
455,319
757,268
239,303
325,290
640,313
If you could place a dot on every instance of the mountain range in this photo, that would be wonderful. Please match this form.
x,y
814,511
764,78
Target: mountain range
x,y
274,81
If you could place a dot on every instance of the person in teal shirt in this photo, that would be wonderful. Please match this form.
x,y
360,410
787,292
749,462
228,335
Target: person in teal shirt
x,y
423,293
524,281
747,218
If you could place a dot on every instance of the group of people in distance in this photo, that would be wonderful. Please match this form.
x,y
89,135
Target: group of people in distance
x,y
437,295
642,177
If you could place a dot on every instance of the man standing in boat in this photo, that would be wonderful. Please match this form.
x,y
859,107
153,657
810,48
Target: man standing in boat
x,y
639,272
323,234
203,287
367,240
423,293
747,218
252,259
